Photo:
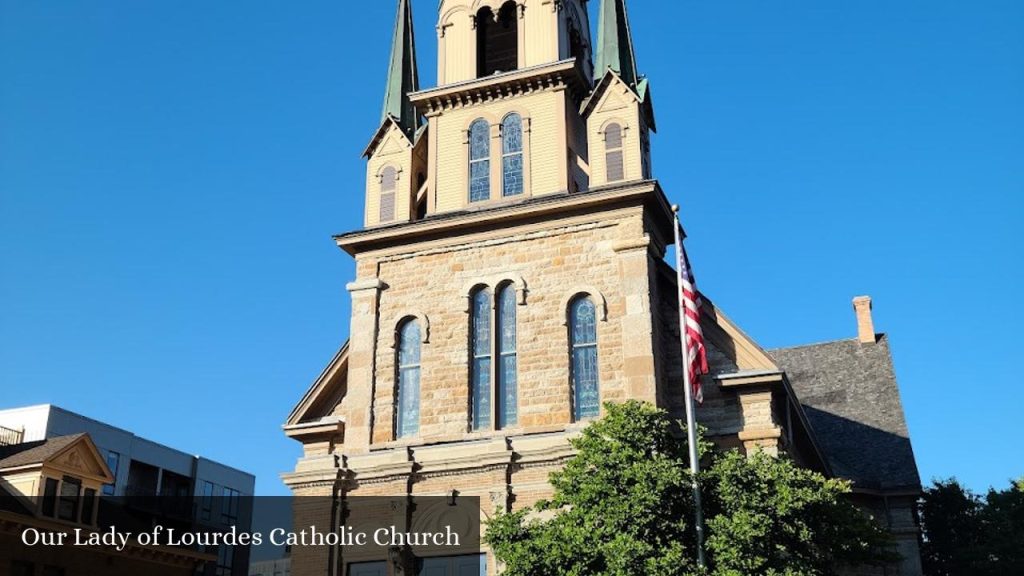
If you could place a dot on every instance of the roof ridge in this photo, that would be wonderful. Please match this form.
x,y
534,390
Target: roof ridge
x,y
880,336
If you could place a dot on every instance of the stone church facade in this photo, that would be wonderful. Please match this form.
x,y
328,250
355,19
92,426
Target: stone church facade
x,y
511,278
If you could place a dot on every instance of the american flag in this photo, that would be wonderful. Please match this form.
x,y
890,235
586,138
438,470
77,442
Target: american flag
x,y
697,357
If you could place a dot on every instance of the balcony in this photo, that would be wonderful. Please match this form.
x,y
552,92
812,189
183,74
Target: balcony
x,y
11,437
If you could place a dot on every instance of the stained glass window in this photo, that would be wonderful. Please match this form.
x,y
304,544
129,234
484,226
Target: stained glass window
x,y
583,331
479,161
407,420
507,392
512,155
614,157
481,368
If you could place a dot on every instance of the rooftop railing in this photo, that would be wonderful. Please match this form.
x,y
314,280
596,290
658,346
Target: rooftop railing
x,y
10,437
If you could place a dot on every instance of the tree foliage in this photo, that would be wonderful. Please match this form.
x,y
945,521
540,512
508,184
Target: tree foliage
x,y
777,519
623,506
967,535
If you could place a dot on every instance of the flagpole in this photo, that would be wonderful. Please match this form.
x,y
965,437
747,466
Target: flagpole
x,y
691,419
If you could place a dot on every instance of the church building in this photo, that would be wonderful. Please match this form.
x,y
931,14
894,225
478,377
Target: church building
x,y
511,279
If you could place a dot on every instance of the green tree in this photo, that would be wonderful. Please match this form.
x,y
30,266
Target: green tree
x,y
777,519
967,535
1002,520
951,518
623,506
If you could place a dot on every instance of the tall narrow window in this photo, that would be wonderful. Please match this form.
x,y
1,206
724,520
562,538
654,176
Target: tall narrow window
x,y
481,367
88,505
67,503
206,503
507,390
583,333
114,463
407,419
512,155
479,161
388,184
613,153
50,497
497,40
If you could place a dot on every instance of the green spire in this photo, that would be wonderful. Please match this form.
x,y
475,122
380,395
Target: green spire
x,y
403,77
615,42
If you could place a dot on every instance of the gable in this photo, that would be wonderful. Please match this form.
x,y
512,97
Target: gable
x,y
610,94
732,342
74,455
81,459
393,143
389,134
618,98
325,393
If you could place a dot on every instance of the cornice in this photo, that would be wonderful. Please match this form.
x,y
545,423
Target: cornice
x,y
565,74
455,223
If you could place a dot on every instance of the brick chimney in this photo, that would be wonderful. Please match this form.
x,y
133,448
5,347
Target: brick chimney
x,y
865,323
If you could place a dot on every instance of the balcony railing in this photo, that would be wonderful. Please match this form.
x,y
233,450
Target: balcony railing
x,y
10,437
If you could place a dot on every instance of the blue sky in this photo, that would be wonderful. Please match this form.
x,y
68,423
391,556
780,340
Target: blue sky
x,y
171,174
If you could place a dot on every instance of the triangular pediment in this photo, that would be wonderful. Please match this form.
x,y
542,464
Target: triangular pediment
x,y
612,93
733,342
81,459
737,350
615,100
394,143
609,85
389,133
325,393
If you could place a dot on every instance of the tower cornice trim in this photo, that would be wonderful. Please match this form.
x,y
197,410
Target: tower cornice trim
x,y
450,223
556,75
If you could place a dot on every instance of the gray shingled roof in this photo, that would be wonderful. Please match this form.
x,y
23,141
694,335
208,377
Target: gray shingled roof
x,y
29,453
851,398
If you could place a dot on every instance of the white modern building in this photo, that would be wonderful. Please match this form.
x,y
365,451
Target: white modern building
x,y
141,467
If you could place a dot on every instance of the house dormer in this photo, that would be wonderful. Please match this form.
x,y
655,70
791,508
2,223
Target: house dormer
x,y
59,478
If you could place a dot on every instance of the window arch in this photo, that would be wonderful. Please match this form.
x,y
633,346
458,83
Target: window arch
x,y
479,161
614,158
388,185
507,390
512,155
497,40
480,366
586,400
407,413
493,357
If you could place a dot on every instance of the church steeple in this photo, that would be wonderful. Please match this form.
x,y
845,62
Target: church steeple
x,y
403,76
615,42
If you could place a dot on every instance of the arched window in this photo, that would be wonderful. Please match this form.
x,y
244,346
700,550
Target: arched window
x,y
497,40
388,183
586,400
480,334
407,415
512,155
479,161
506,395
613,153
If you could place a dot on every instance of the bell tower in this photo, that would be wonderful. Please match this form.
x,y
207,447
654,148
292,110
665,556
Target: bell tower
x,y
504,123
527,106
